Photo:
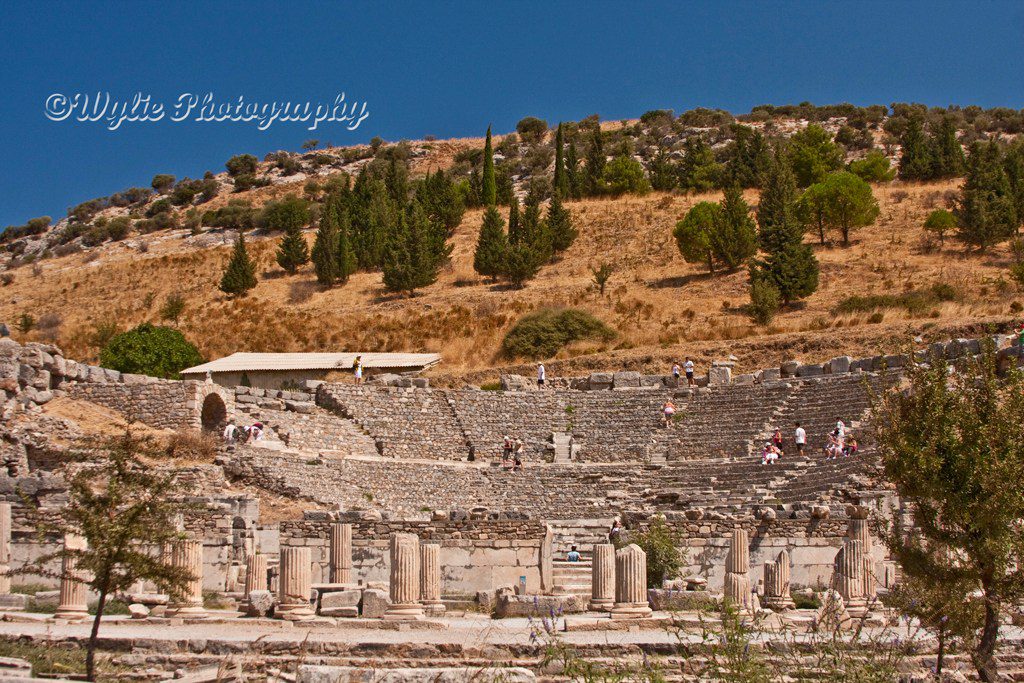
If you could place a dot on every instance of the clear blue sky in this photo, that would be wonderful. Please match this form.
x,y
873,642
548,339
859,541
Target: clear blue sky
x,y
449,69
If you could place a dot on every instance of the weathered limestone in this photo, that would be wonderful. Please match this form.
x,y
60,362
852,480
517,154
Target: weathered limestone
x,y
631,584
188,555
776,583
295,584
405,579
341,553
737,566
255,576
848,577
72,590
5,548
430,579
602,577
858,529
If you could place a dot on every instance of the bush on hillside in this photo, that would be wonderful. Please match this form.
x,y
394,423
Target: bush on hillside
x,y
241,164
542,334
150,350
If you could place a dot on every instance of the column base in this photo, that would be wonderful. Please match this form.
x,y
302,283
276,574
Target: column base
x,y
185,611
631,610
778,604
71,613
857,607
434,609
410,612
601,605
294,612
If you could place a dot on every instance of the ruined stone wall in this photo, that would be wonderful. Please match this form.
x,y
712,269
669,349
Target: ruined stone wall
x,y
162,404
476,555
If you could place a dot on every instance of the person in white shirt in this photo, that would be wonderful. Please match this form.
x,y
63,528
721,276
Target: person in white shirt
x,y
675,373
541,375
800,437
688,367
841,428
230,433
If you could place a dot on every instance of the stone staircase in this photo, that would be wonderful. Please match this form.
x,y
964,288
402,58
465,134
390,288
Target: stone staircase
x,y
571,578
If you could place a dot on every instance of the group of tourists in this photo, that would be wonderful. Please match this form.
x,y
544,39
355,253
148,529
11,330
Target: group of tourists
x,y
234,433
687,368
840,442
512,452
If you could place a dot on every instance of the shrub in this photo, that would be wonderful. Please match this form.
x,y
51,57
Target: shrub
x,y
940,222
915,302
664,561
241,164
249,181
150,350
162,182
191,445
625,174
874,168
543,333
764,301
531,129
158,207
118,228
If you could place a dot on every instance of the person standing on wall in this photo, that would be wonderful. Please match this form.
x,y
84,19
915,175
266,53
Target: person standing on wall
x,y
357,369
541,375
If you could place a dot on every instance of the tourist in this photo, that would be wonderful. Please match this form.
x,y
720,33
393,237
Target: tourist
x,y
541,375
615,533
800,436
668,410
506,448
256,431
777,438
675,374
850,448
357,369
230,433
688,367
573,555
841,428
769,454
833,446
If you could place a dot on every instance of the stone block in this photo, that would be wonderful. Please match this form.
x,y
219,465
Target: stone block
x,y
719,374
260,604
601,380
96,375
14,601
895,361
421,382
323,673
811,370
653,380
374,603
301,407
840,364
516,383
743,379
675,600
138,611
771,375
112,375
511,605
340,603
626,378
789,368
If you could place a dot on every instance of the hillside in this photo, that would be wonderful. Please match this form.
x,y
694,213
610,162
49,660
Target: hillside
x,y
80,291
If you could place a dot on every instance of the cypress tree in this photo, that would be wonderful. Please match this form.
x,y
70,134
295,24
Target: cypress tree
x,y
490,187
699,171
521,264
491,246
325,262
986,214
515,229
1013,161
734,239
561,232
947,153
593,180
572,172
916,161
293,250
240,275
345,259
561,181
775,207
664,174
415,252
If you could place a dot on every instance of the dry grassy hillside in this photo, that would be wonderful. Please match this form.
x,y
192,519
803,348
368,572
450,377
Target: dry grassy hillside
x,y
662,307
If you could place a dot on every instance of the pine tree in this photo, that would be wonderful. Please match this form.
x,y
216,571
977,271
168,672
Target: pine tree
x,y
521,264
593,179
572,172
693,234
240,275
560,230
699,171
664,174
749,157
441,200
490,187
986,214
325,262
775,207
561,181
916,161
734,239
1013,161
947,153
515,230
791,268
344,255
415,252
491,246
293,250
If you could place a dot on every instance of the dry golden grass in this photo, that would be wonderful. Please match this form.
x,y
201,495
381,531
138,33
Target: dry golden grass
x,y
662,307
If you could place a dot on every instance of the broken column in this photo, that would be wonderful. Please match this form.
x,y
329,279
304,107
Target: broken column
x,y
341,553
630,584
858,529
848,577
602,595
5,548
255,577
430,579
188,555
294,584
405,579
776,583
72,589
737,566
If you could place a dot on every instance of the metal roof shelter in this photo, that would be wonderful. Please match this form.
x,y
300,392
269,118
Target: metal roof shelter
x,y
250,362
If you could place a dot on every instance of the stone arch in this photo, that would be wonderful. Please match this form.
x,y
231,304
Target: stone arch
x,y
214,413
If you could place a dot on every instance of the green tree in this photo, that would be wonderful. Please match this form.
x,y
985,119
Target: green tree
x,y
125,510
625,174
748,158
791,268
849,203
947,153
734,238
491,245
764,299
810,209
521,263
441,200
286,215
490,188
561,180
293,250
1013,161
241,164
515,231
953,443
593,177
699,171
775,207
150,350
940,222
874,168
561,232
985,213
663,173
325,261
813,155
693,234
162,182
416,252
662,547
573,179
531,129
346,262
240,275
916,161
174,306
601,275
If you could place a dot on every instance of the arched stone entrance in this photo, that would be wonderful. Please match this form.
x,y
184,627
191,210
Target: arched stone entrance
x,y
214,413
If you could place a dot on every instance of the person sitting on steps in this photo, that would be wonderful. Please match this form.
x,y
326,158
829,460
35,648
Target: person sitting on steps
x,y
573,555
769,454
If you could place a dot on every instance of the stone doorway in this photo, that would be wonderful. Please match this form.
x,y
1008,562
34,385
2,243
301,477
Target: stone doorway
x,y
215,414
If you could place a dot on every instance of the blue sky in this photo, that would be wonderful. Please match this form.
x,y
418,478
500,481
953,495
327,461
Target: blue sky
x,y
449,69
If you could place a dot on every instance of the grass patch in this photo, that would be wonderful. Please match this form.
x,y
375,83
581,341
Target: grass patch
x,y
30,588
804,601
544,333
45,659
915,301
491,386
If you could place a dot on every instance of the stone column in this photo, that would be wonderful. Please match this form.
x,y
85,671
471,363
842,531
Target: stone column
x,y
5,548
405,579
630,584
776,583
848,579
858,529
341,553
72,590
602,595
430,579
188,555
737,566
295,584
255,573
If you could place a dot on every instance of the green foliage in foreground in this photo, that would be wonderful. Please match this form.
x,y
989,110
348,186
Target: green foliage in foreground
x,y
544,333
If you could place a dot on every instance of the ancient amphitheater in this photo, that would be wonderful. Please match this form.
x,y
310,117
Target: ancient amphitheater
x,y
418,550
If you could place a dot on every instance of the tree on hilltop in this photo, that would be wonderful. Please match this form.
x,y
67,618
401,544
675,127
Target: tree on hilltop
x,y
985,213
560,182
240,275
490,187
813,155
